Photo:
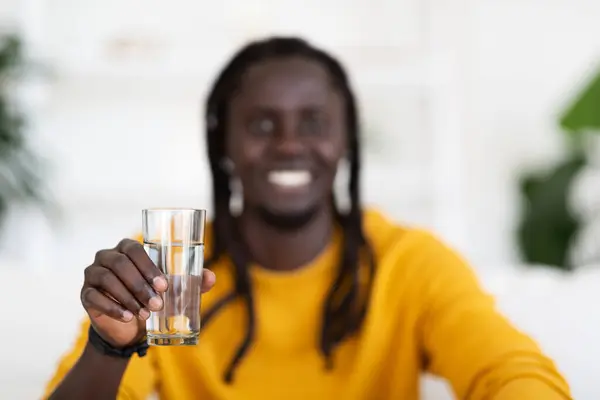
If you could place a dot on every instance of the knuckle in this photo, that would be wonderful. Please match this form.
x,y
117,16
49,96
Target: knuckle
x,y
112,310
88,272
84,296
141,289
100,254
105,279
126,245
132,304
121,261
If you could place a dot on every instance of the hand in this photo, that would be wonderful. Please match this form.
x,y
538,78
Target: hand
x,y
120,289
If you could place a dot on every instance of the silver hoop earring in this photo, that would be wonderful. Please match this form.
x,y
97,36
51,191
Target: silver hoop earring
x,y
227,165
340,185
236,201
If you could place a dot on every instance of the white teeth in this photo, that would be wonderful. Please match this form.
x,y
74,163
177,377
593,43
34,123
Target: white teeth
x,y
290,178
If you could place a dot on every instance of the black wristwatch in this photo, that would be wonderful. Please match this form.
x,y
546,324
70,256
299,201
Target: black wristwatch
x,y
106,348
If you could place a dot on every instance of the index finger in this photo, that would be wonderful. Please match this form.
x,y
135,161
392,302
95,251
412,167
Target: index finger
x,y
137,254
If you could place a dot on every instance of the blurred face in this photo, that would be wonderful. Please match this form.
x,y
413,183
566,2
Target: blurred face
x,y
286,136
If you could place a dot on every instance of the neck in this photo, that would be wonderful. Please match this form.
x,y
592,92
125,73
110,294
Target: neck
x,y
286,251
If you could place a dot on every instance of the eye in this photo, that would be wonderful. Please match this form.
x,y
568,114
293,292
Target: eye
x,y
312,124
262,126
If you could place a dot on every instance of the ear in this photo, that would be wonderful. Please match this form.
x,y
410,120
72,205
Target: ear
x,y
346,153
211,121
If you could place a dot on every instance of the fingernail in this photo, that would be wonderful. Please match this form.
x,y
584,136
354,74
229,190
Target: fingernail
x,y
160,283
127,315
155,303
144,314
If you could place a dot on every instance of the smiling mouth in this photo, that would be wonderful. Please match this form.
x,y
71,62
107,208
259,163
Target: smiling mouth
x,y
290,179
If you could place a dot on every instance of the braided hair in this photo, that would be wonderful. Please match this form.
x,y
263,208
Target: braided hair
x,y
345,307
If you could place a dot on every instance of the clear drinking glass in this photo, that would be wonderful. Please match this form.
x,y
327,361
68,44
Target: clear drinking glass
x,y
174,241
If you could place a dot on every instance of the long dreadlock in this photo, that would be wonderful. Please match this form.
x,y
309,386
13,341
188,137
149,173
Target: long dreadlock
x,y
344,308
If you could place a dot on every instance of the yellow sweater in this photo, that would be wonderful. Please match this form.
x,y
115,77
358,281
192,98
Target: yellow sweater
x,y
427,313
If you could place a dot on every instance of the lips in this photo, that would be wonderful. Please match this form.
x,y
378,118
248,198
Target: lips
x,y
290,179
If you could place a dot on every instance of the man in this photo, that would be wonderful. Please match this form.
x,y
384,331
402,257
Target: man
x,y
312,301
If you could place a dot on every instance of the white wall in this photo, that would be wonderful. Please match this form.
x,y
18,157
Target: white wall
x,y
461,93
526,58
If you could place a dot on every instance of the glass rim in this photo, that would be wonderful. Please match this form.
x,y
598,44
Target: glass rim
x,y
194,216
171,209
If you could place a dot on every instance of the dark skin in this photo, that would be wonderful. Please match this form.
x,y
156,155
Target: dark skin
x,y
286,116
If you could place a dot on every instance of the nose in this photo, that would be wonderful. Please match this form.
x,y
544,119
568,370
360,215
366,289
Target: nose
x,y
288,142
289,146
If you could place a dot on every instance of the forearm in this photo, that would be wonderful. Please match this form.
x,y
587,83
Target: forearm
x,y
531,388
520,376
95,377
476,348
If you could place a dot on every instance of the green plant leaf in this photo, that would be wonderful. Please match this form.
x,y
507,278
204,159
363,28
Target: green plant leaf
x,y
584,113
20,169
547,224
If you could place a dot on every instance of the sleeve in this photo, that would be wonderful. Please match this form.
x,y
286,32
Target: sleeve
x,y
469,343
139,380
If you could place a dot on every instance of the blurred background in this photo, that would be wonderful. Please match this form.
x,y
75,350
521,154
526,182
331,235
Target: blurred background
x,y
479,120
